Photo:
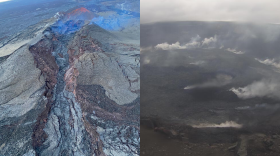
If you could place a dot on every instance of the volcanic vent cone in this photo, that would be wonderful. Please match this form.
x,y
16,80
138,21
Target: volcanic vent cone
x,y
80,14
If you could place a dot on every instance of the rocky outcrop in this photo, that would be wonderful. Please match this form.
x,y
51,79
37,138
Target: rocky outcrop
x,y
30,36
99,69
101,83
22,97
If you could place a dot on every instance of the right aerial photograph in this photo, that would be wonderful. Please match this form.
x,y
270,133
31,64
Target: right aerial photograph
x,y
210,78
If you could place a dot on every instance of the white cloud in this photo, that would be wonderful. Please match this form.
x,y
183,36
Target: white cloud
x,y
146,61
146,49
190,87
218,81
222,125
263,88
207,41
4,0
263,106
270,62
198,62
194,43
166,46
235,51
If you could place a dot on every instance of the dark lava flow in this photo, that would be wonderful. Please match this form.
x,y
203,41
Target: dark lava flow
x,y
62,111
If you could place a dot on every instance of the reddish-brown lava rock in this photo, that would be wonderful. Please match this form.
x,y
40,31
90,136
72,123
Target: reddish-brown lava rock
x,y
70,79
108,109
42,53
95,140
80,13
60,55
82,44
89,97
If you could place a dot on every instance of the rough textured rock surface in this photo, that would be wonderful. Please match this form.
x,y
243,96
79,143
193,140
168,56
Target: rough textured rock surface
x,y
71,89
22,101
42,53
99,69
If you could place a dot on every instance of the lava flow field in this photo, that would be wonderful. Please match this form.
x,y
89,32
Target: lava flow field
x,y
69,78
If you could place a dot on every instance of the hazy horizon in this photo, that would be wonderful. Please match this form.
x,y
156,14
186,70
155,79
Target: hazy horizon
x,y
216,10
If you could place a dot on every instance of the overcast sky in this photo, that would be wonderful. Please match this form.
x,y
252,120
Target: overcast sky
x,y
267,11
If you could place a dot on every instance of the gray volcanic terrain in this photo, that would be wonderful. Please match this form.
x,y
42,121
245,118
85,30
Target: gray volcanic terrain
x,y
69,78
212,88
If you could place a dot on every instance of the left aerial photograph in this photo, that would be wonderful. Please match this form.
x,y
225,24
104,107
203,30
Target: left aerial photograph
x,y
69,77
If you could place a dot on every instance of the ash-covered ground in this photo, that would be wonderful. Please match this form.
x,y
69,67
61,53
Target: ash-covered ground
x,y
210,88
69,78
